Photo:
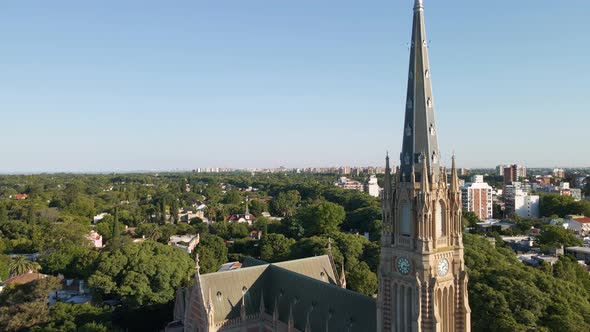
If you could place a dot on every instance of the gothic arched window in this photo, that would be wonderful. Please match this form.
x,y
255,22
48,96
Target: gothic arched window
x,y
439,219
405,219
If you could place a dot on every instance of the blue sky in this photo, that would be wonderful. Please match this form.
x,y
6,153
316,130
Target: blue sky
x,y
126,85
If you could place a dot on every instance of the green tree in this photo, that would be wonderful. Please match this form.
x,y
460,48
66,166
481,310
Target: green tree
x,y
25,306
115,241
232,198
360,219
140,274
285,203
70,260
4,264
257,207
506,295
238,230
275,247
212,253
221,229
361,279
321,219
79,317
351,246
470,219
3,213
553,235
309,247
555,204
20,265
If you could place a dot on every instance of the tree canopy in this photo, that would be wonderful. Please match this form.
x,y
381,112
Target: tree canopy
x,y
558,205
322,218
141,274
506,295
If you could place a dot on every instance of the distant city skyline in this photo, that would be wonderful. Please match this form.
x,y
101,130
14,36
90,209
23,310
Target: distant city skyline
x,y
141,85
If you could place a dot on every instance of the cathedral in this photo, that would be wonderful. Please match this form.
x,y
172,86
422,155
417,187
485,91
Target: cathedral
x,y
422,277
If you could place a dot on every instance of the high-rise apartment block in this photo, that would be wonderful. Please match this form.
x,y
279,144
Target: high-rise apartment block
x,y
513,173
558,173
519,200
476,197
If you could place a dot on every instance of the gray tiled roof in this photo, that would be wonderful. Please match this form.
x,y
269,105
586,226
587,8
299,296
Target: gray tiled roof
x,y
308,285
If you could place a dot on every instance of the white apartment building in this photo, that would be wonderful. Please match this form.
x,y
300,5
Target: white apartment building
x,y
476,197
526,205
349,184
372,187
520,202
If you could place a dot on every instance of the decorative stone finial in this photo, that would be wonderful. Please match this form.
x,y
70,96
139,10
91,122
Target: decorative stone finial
x,y
308,322
262,307
275,311
424,186
291,321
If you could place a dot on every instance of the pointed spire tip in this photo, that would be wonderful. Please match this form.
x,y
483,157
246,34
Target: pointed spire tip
x,y
418,4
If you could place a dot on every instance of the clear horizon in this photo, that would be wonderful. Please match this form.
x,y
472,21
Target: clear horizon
x,y
140,85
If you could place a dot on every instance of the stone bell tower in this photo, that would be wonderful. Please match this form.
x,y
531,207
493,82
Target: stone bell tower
x,y
422,278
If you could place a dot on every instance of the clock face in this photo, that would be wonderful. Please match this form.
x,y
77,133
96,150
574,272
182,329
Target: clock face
x,y
443,267
403,265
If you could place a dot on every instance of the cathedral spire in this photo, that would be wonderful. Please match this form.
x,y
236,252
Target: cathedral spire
x,y
423,256
420,139
454,178
387,178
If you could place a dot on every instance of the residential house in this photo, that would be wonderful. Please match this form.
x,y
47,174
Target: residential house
x,y
95,239
579,224
230,266
349,184
99,217
22,279
186,215
184,242
247,218
581,253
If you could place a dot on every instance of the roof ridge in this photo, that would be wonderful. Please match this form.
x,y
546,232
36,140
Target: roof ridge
x,y
320,282
299,259
263,267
